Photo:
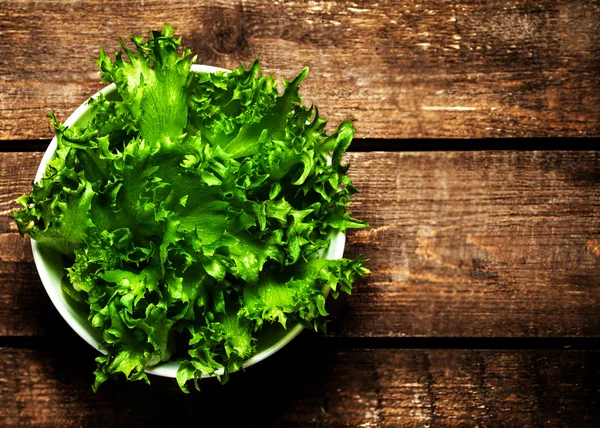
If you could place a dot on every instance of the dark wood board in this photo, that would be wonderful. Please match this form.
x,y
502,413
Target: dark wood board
x,y
477,244
404,69
463,244
305,385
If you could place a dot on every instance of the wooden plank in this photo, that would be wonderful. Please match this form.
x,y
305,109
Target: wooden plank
x,y
45,387
466,244
400,69
476,244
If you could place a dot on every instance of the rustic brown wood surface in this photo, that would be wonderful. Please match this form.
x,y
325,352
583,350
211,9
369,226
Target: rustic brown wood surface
x,y
327,387
399,69
463,244
482,306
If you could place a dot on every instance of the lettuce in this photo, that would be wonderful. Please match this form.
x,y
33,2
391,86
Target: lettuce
x,y
193,209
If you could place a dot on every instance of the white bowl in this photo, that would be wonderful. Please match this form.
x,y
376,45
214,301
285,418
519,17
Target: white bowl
x,y
51,268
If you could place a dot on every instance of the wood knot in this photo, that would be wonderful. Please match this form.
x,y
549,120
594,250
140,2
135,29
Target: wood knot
x,y
593,246
225,34
229,32
480,271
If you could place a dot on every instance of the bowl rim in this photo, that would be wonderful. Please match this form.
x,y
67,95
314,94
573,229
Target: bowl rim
x,y
52,285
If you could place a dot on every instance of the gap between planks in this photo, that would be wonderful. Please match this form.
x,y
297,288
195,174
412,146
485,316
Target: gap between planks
x,y
405,145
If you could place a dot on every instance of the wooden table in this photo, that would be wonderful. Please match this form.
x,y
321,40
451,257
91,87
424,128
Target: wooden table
x,y
482,308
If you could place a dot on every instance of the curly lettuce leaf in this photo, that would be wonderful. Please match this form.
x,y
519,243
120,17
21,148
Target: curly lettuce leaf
x,y
153,83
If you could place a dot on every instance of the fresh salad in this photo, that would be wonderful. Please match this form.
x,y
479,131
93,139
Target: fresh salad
x,y
193,209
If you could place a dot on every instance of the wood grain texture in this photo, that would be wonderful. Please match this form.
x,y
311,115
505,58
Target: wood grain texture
x,y
399,69
465,244
476,244
335,388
